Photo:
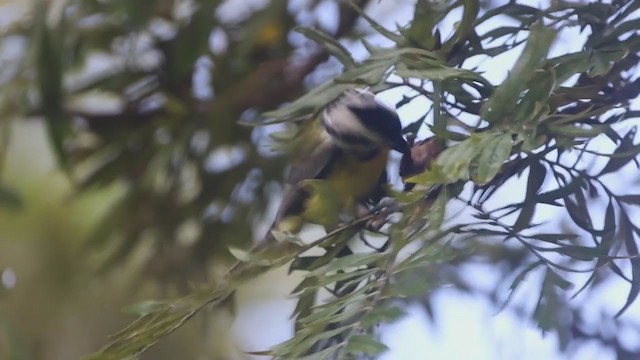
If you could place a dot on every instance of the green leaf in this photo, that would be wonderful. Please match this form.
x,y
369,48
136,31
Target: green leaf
x,y
576,131
551,196
382,314
420,32
553,238
331,44
411,285
435,71
583,253
465,26
9,199
633,199
557,280
365,344
484,166
537,174
348,262
50,70
156,323
505,97
615,163
308,103
567,65
453,163
328,315
377,27
529,108
517,280
626,231
352,276
145,307
306,301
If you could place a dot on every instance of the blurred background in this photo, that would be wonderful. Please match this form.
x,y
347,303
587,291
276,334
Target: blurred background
x,y
125,175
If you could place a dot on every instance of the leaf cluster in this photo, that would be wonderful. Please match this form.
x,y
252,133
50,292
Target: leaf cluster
x,y
538,125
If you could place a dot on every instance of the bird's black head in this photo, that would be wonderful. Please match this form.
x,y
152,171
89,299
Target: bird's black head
x,y
357,120
385,123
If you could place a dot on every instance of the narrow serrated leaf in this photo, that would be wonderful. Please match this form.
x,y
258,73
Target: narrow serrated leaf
x,y
348,262
626,231
382,314
331,44
484,166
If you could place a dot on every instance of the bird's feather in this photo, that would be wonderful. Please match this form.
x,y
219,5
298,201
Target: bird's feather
x,y
312,155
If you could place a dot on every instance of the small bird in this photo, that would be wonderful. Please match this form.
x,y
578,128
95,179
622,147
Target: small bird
x,y
345,149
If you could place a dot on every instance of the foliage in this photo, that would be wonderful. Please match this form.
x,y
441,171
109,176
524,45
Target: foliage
x,y
540,124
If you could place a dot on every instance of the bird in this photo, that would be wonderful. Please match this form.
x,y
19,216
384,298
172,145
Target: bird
x,y
344,149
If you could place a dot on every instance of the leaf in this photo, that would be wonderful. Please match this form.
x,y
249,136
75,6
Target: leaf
x,y
505,96
551,196
626,144
240,254
453,163
557,280
465,26
348,262
630,199
517,280
308,103
305,303
415,126
9,199
411,285
575,131
352,276
328,315
145,307
553,238
50,70
438,72
377,27
382,314
484,166
331,44
567,65
365,344
158,322
626,231
528,109
579,215
537,174
583,253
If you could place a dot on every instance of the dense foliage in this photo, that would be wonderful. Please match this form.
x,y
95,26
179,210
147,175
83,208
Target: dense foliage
x,y
174,116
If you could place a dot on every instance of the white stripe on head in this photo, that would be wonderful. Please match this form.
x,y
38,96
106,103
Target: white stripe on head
x,y
339,119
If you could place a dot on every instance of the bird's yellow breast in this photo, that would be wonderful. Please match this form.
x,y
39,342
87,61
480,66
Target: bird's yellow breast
x,y
356,179
352,180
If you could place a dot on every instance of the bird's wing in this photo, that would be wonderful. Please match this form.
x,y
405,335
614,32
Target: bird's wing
x,y
313,155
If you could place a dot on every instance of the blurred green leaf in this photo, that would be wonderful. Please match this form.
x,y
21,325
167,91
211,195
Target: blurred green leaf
x,y
485,165
627,232
505,97
145,307
626,145
333,46
9,199
365,344
537,174
453,163
382,314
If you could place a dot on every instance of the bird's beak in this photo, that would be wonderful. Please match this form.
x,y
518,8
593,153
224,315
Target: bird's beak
x,y
401,145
